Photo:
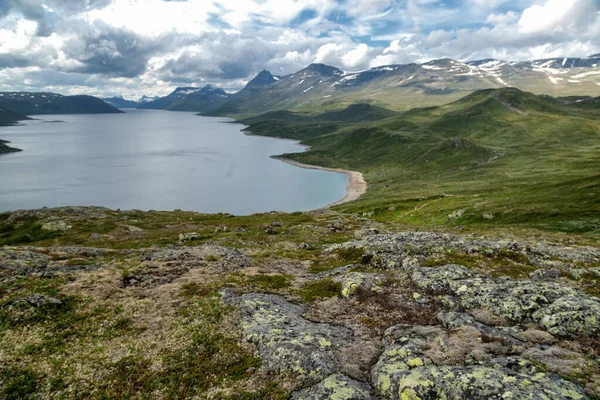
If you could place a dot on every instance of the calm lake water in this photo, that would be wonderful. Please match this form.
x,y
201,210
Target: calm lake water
x,y
156,160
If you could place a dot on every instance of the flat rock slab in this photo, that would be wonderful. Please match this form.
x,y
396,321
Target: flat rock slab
x,y
405,372
287,342
561,310
336,387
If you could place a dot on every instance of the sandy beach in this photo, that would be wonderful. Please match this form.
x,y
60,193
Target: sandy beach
x,y
355,188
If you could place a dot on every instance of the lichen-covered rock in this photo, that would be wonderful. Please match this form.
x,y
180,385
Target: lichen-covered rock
x,y
391,249
452,320
22,262
56,226
364,233
571,316
286,341
228,259
545,274
436,280
189,236
336,387
405,372
581,272
134,229
352,281
514,300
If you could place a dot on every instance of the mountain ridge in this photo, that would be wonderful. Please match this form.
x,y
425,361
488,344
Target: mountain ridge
x,y
38,103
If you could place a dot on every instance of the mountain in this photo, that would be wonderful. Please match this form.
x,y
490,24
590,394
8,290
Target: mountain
x,y
288,92
188,99
494,157
147,99
9,117
264,78
402,87
201,100
120,102
27,103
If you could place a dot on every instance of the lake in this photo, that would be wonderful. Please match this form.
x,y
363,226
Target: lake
x,y
156,160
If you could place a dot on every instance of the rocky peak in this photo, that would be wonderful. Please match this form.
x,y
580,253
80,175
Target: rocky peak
x,y
264,78
324,70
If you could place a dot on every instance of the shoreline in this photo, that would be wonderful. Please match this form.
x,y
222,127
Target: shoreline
x,y
356,187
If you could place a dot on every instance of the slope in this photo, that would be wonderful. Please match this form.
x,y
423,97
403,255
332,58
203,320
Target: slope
x,y
402,87
495,157
26,103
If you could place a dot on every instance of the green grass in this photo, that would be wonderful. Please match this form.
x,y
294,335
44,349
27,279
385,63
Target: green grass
x,y
23,230
504,157
322,289
18,383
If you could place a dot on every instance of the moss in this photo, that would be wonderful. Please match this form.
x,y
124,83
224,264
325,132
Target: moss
x,y
324,288
211,358
24,230
18,383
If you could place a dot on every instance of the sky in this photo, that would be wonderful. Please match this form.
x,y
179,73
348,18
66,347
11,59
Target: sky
x,y
149,47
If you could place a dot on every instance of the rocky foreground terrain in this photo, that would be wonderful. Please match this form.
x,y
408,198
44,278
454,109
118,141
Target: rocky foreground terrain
x,y
108,304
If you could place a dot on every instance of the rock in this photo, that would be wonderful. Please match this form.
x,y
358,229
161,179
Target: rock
x,y
240,230
364,233
271,231
338,387
22,262
557,359
337,226
533,335
56,226
189,236
39,300
513,300
96,236
580,273
457,214
404,371
133,229
488,216
545,274
288,343
425,245
221,228
570,317
453,320
437,279
229,259
353,281
276,224
305,246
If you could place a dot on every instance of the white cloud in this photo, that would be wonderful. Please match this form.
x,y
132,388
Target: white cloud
x,y
502,19
151,46
555,16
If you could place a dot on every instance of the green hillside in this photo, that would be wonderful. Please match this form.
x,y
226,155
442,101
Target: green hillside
x,y
495,157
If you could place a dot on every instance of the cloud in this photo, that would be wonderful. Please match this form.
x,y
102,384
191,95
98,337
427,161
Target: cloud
x,y
105,47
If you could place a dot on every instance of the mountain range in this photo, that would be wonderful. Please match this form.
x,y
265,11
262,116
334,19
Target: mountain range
x,y
397,87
